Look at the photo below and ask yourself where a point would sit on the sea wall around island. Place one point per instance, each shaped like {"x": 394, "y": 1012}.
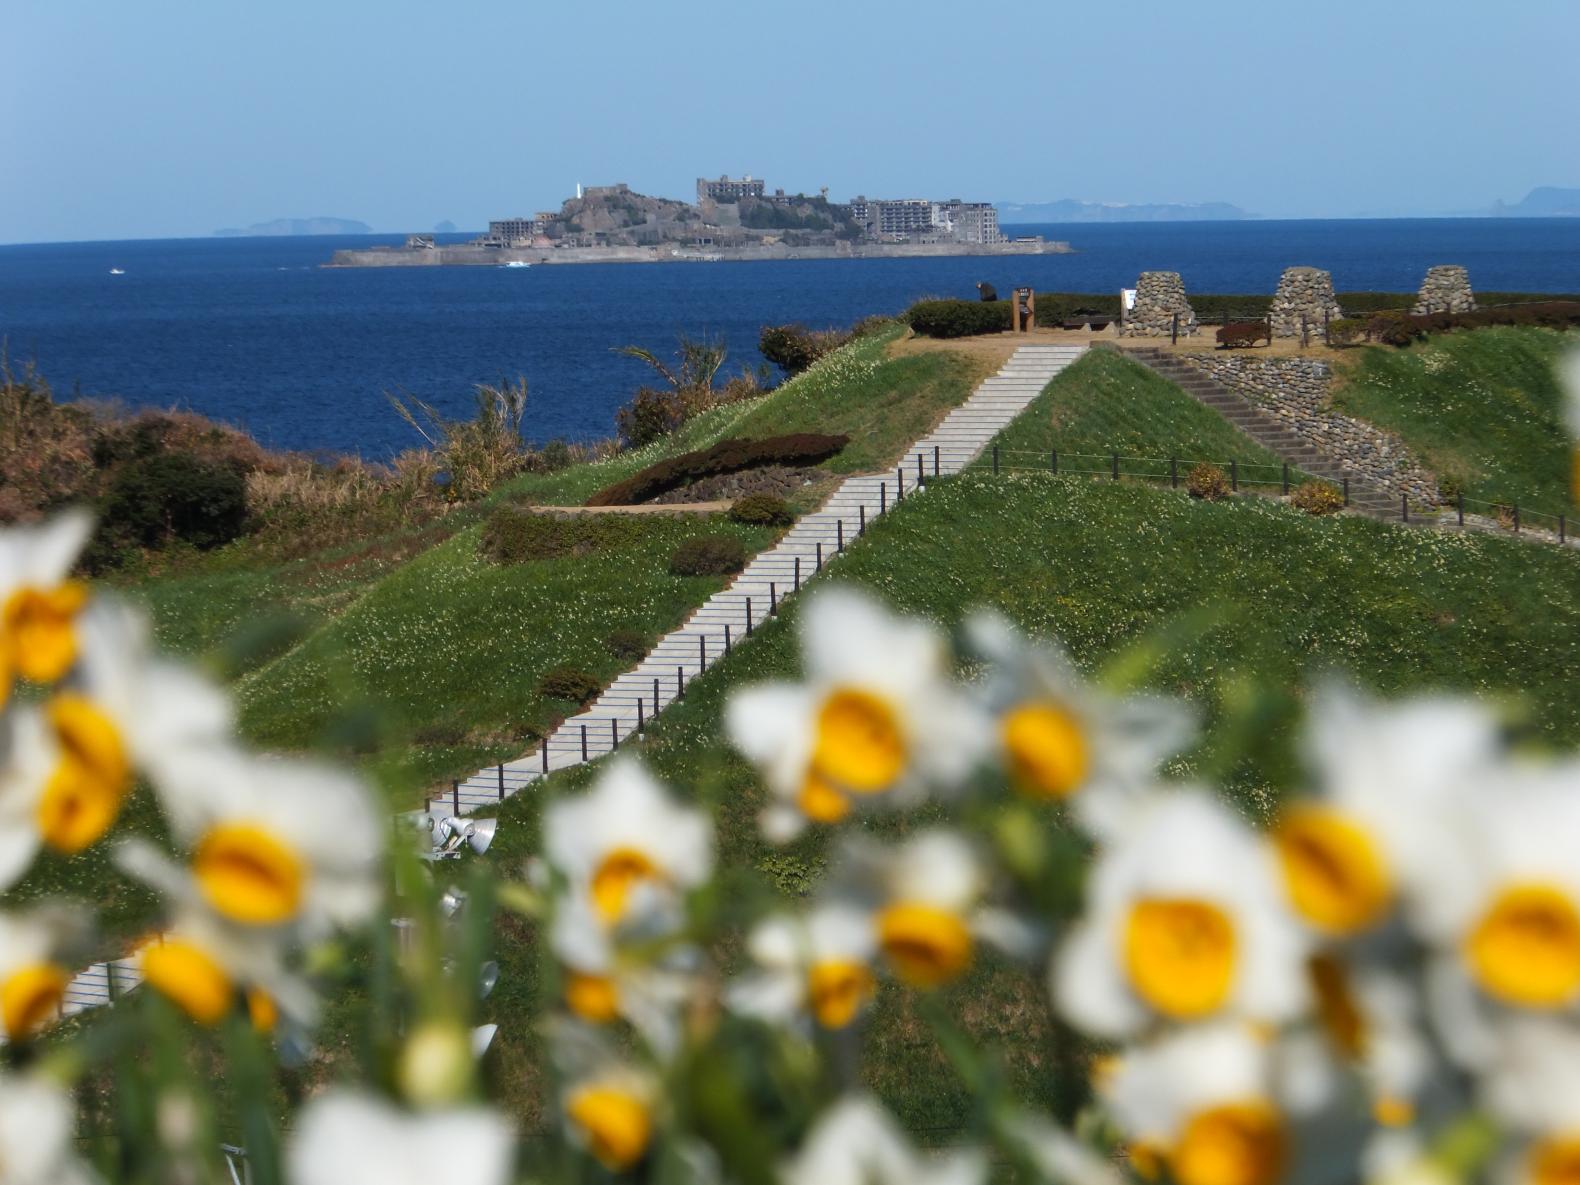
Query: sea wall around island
{"x": 467, "y": 255}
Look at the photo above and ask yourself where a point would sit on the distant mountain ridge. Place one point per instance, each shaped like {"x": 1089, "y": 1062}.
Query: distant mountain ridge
{"x": 299, "y": 226}
{"x": 1545, "y": 201}
{"x": 1071, "y": 210}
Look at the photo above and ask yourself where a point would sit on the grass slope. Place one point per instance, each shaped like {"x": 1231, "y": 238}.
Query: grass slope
{"x": 1252, "y": 600}
{"x": 1482, "y": 409}
{"x": 1106, "y": 403}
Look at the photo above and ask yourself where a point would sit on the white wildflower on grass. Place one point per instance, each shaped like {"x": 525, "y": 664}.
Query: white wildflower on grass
{"x": 857, "y": 1142}
{"x": 348, "y": 1138}
{"x": 627, "y": 845}
{"x": 818, "y": 965}
{"x": 39, "y": 602}
{"x": 1062, "y": 739}
{"x": 877, "y": 716}
{"x": 1184, "y": 921}
{"x": 36, "y": 1140}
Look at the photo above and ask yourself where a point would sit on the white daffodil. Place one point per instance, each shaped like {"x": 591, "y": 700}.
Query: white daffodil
{"x": 36, "y": 1143}
{"x": 347, "y": 1138}
{"x": 1056, "y": 1154}
{"x": 274, "y": 842}
{"x": 877, "y": 716}
{"x": 32, "y": 977}
{"x": 857, "y": 1142}
{"x": 1509, "y": 911}
{"x": 28, "y": 756}
{"x": 1391, "y": 777}
{"x": 611, "y": 1113}
{"x": 1201, "y": 1102}
{"x": 1373, "y": 1020}
{"x": 818, "y": 964}
{"x": 627, "y": 845}
{"x": 1061, "y": 739}
{"x": 39, "y": 603}
{"x": 1184, "y": 921}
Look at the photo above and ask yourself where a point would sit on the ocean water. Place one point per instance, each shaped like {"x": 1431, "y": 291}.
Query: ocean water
{"x": 255, "y": 332}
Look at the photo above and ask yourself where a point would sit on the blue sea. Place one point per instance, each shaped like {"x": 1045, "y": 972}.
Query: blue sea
{"x": 256, "y": 333}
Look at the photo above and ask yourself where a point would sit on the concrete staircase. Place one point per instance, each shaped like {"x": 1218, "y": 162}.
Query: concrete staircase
{"x": 728, "y": 617}
{"x": 1366, "y": 496}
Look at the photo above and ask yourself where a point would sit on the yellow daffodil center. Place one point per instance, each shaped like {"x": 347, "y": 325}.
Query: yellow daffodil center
{"x": 927, "y": 945}
{"x": 1555, "y": 1161}
{"x": 1180, "y": 955}
{"x": 859, "y": 744}
{"x": 617, "y": 874}
{"x": 1047, "y": 749}
{"x": 1336, "y": 1007}
{"x": 820, "y": 800}
{"x": 249, "y": 874}
{"x": 38, "y": 627}
{"x": 29, "y": 997}
{"x": 615, "y": 1122}
{"x": 1235, "y": 1144}
{"x": 837, "y": 988}
{"x": 1526, "y": 948}
{"x": 1393, "y": 1111}
{"x": 592, "y": 997}
{"x": 189, "y": 977}
{"x": 262, "y": 1010}
{"x": 1147, "y": 1159}
{"x": 85, "y": 790}
{"x": 1335, "y": 875}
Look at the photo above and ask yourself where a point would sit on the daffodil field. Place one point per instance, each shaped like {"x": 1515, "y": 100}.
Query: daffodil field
{"x": 1374, "y": 978}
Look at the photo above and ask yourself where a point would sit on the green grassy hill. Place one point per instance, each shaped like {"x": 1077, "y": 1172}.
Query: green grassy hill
{"x": 1481, "y": 409}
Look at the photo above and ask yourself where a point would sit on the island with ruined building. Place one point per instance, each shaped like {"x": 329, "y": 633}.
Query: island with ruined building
{"x": 731, "y": 219}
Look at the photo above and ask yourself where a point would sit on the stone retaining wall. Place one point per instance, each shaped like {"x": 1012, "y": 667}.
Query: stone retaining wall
{"x": 1296, "y": 391}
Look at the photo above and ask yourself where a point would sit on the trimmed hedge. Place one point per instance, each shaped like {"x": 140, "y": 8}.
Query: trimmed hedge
{"x": 766, "y": 510}
{"x": 957, "y": 318}
{"x": 794, "y": 348}
{"x": 708, "y": 555}
{"x": 1399, "y": 329}
{"x": 1237, "y": 334}
{"x": 728, "y": 456}
{"x": 569, "y": 683}
{"x": 514, "y": 534}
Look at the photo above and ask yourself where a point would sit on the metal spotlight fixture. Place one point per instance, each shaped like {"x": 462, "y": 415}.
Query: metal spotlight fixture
{"x": 482, "y": 1038}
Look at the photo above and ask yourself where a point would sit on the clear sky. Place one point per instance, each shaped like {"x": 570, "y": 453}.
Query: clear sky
{"x": 133, "y": 118}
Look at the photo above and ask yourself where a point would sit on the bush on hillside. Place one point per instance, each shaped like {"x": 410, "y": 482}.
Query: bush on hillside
{"x": 708, "y": 555}
{"x": 728, "y": 456}
{"x": 1346, "y": 331}
{"x": 1207, "y": 482}
{"x": 764, "y": 510}
{"x": 794, "y": 348}
{"x": 628, "y": 645}
{"x": 876, "y": 323}
{"x": 1396, "y": 329}
{"x": 957, "y": 318}
{"x": 516, "y": 534}
{"x": 168, "y": 497}
{"x": 569, "y": 683}
{"x": 1242, "y": 334}
{"x": 1318, "y": 497}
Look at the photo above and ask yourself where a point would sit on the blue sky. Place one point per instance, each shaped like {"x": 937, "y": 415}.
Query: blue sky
{"x": 174, "y": 117}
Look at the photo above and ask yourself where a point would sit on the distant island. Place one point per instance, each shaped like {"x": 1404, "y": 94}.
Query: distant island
{"x": 1071, "y": 210}
{"x": 1545, "y": 201}
{"x": 731, "y": 219}
{"x": 298, "y": 226}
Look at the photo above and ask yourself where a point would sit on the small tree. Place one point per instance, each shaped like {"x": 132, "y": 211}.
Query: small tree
{"x": 478, "y": 453}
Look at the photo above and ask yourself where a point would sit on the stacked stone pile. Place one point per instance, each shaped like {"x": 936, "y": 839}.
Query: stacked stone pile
{"x": 1303, "y": 292}
{"x": 1296, "y": 391}
{"x": 1446, "y": 289}
{"x": 1159, "y": 296}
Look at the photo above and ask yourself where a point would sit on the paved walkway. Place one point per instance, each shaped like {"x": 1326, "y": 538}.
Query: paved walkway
{"x": 730, "y": 615}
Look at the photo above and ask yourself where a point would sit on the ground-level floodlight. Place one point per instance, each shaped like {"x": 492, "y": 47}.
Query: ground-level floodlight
{"x": 487, "y": 977}
{"x": 428, "y": 827}
{"x": 476, "y": 834}
{"x": 452, "y": 901}
{"x": 482, "y": 1038}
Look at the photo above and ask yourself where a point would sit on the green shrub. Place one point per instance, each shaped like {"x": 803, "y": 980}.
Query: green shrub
{"x": 628, "y": 645}
{"x": 569, "y": 683}
{"x": 957, "y": 318}
{"x": 1396, "y": 329}
{"x": 516, "y": 534}
{"x": 1207, "y": 482}
{"x": 794, "y": 348}
{"x": 1318, "y": 497}
{"x": 1346, "y": 331}
{"x": 172, "y": 496}
{"x": 1239, "y": 334}
{"x": 728, "y": 456}
{"x": 765, "y": 510}
{"x": 708, "y": 555}
{"x": 554, "y": 456}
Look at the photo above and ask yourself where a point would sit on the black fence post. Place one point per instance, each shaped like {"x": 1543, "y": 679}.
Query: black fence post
{"x": 995, "y": 460}
{"x": 1404, "y": 508}
{"x": 1116, "y": 466}
{"x": 839, "y": 534}
{"x": 702, "y": 653}
{"x": 748, "y": 617}
{"x": 861, "y": 519}
{"x": 680, "y": 682}
{"x": 1174, "y": 473}
{"x": 1234, "y": 476}
{"x": 1174, "y": 331}
{"x": 935, "y": 460}
{"x": 819, "y": 567}
{"x": 797, "y": 573}
{"x": 773, "y": 599}
{"x": 726, "y": 637}
{"x": 1327, "y": 329}
{"x": 655, "y": 697}
{"x": 543, "y": 752}
{"x": 1461, "y": 501}
{"x": 1346, "y": 491}
{"x": 883, "y": 497}
{"x": 501, "y": 781}
{"x": 614, "y": 734}
{"x": 455, "y": 797}
{"x": 584, "y": 742}
{"x": 1516, "y": 518}
{"x": 899, "y": 484}
{"x": 1305, "y": 332}
{"x": 921, "y": 472}
{"x": 641, "y": 717}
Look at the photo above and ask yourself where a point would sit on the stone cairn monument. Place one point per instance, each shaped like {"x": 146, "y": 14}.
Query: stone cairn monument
{"x": 1302, "y": 292}
{"x": 1159, "y": 295}
{"x": 1446, "y": 289}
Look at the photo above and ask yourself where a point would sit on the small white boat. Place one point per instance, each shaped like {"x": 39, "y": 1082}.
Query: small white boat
{"x": 117, "y": 271}
{"x": 516, "y": 263}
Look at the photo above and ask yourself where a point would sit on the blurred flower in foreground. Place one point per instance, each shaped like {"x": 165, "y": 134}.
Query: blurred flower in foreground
{"x": 818, "y": 964}
{"x": 1200, "y": 1103}
{"x": 1183, "y": 921}
{"x": 610, "y": 1113}
{"x": 1531, "y": 1084}
{"x": 36, "y": 1145}
{"x": 39, "y": 604}
{"x": 627, "y": 845}
{"x": 877, "y": 716}
{"x": 32, "y": 980}
{"x": 1062, "y": 739}
{"x": 346, "y": 1138}
{"x": 856, "y": 1142}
